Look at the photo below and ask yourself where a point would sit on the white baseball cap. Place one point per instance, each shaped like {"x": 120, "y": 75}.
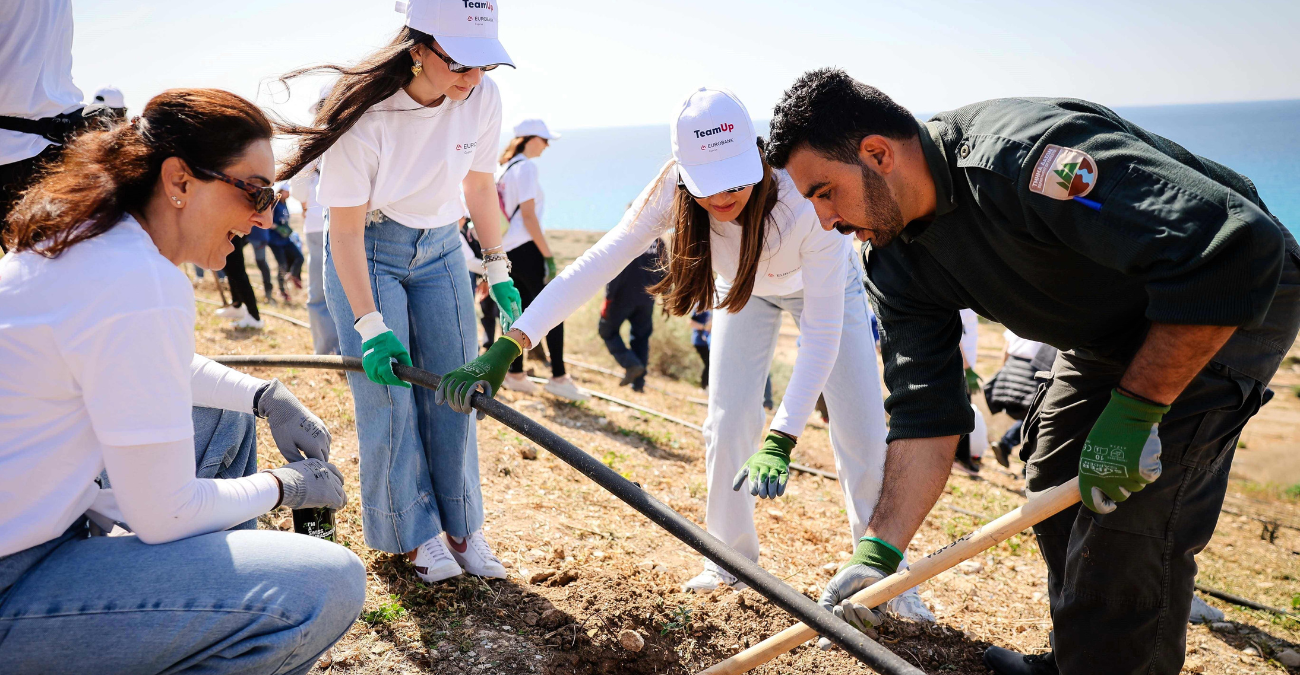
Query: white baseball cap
{"x": 534, "y": 128}
{"x": 714, "y": 143}
{"x": 465, "y": 29}
{"x": 110, "y": 96}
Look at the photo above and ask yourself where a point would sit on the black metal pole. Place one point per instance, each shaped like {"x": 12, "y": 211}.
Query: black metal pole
{"x": 837, "y": 630}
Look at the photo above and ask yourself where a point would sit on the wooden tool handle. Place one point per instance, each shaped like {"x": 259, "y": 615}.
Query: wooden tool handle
{"x": 1035, "y": 510}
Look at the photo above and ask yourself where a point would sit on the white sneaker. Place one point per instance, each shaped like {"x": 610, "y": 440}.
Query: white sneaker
{"x": 232, "y": 312}
{"x": 566, "y": 390}
{"x": 710, "y": 579}
{"x": 520, "y": 383}
{"x": 249, "y": 322}
{"x": 476, "y": 556}
{"x": 433, "y": 562}
{"x": 1203, "y": 612}
{"x": 910, "y": 607}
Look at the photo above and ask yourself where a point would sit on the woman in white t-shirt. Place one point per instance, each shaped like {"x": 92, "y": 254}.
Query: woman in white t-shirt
{"x": 531, "y": 263}
{"x": 399, "y": 137}
{"x": 108, "y": 415}
{"x": 747, "y": 244}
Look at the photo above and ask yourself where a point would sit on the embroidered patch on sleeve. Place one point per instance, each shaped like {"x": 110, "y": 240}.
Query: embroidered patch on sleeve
{"x": 1063, "y": 173}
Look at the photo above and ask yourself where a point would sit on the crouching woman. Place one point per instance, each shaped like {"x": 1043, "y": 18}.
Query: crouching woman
{"x": 99, "y": 385}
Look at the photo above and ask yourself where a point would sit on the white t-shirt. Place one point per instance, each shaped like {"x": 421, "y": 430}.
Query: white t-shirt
{"x": 408, "y": 160}
{"x": 970, "y": 335}
{"x": 97, "y": 353}
{"x": 1020, "y": 347}
{"x": 797, "y": 256}
{"x": 518, "y": 182}
{"x": 303, "y": 188}
{"x": 35, "y": 70}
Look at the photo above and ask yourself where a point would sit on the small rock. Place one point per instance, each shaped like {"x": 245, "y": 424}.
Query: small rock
{"x": 1223, "y": 627}
{"x": 552, "y": 618}
{"x": 540, "y": 576}
{"x": 598, "y": 555}
{"x": 1250, "y": 651}
{"x": 535, "y": 554}
{"x": 528, "y": 452}
{"x": 507, "y": 564}
{"x": 646, "y": 564}
{"x": 631, "y": 640}
{"x": 775, "y": 514}
{"x": 1036, "y": 596}
{"x": 1289, "y": 658}
{"x": 830, "y": 568}
{"x": 507, "y": 628}
{"x": 530, "y": 618}
{"x": 970, "y": 567}
{"x": 564, "y": 578}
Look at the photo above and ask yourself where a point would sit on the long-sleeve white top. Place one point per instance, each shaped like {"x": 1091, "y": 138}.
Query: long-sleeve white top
{"x": 798, "y": 255}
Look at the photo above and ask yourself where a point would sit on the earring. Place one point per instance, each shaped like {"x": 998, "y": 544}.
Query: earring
{"x": 417, "y": 69}
{"x": 177, "y": 200}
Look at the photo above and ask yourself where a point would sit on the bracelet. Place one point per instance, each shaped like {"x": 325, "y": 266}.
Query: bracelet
{"x": 498, "y": 247}
{"x": 493, "y": 257}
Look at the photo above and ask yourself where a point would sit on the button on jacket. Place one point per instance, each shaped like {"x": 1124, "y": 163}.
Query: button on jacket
{"x": 1155, "y": 233}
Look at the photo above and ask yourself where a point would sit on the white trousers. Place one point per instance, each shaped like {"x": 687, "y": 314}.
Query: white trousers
{"x": 740, "y": 355}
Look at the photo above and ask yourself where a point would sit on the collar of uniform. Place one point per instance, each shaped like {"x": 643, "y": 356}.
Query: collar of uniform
{"x": 937, "y": 158}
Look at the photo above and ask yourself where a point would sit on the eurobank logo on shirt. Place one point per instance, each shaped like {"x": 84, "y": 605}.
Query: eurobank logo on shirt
{"x": 467, "y": 148}
{"x": 724, "y": 128}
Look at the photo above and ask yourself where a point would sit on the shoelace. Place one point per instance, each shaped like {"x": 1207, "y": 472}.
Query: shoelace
{"x": 481, "y": 547}
{"x": 435, "y": 552}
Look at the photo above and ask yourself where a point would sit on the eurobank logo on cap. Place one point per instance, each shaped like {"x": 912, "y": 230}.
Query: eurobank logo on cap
{"x": 465, "y": 29}
{"x": 714, "y": 143}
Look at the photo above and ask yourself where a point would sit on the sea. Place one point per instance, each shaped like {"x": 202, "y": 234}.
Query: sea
{"x": 590, "y": 176}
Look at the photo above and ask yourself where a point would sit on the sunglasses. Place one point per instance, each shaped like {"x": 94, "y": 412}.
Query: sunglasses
{"x": 456, "y": 67}
{"x": 262, "y": 196}
{"x": 682, "y": 184}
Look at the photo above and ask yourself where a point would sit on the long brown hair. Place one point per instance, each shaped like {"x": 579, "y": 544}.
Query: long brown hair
{"x": 104, "y": 174}
{"x": 514, "y": 148}
{"x": 688, "y": 285}
{"x": 358, "y": 88}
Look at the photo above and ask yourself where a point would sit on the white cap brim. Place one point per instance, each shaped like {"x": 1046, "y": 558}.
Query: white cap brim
{"x": 475, "y": 51}
{"x": 706, "y": 180}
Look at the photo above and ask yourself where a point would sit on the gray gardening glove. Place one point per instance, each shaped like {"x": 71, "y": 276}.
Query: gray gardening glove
{"x": 310, "y": 484}
{"x": 840, "y": 588}
{"x": 297, "y": 431}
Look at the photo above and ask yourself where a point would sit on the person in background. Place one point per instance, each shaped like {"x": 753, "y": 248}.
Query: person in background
{"x": 1012, "y": 390}
{"x": 324, "y": 334}
{"x": 701, "y": 327}
{"x": 288, "y": 257}
{"x": 393, "y": 258}
{"x": 109, "y": 417}
{"x": 259, "y": 239}
{"x": 747, "y": 245}
{"x": 111, "y": 98}
{"x": 242, "y": 311}
{"x": 628, "y": 298}
{"x": 970, "y": 447}
{"x": 532, "y": 262}
{"x": 40, "y": 107}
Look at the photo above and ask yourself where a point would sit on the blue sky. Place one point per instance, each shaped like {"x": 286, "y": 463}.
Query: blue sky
{"x": 629, "y": 62}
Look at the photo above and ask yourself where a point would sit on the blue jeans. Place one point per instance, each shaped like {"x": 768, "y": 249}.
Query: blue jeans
{"x": 239, "y": 601}
{"x": 419, "y": 461}
{"x": 324, "y": 334}
{"x": 641, "y": 317}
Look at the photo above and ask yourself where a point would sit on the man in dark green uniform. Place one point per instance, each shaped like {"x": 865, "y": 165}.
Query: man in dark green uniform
{"x": 1169, "y": 288}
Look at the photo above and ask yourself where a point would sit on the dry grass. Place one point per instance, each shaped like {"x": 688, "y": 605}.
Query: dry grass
{"x": 617, "y": 572}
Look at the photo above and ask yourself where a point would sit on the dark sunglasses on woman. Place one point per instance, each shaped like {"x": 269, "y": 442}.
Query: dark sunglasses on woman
{"x": 456, "y": 67}
{"x": 682, "y": 184}
{"x": 262, "y": 196}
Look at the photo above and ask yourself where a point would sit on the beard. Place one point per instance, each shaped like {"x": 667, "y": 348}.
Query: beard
{"x": 881, "y": 216}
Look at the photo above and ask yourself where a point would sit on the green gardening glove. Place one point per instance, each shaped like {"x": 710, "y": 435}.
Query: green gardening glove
{"x": 768, "y": 469}
{"x": 972, "y": 380}
{"x": 484, "y": 374}
{"x": 550, "y": 269}
{"x": 377, "y": 355}
{"x": 507, "y": 298}
{"x": 1122, "y": 452}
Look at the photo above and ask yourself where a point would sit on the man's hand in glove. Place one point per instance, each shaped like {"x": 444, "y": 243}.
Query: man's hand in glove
{"x": 768, "y": 469}
{"x": 1122, "y": 452}
{"x": 296, "y": 430}
{"x": 873, "y": 560}
{"x": 484, "y": 374}
{"x": 310, "y": 484}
